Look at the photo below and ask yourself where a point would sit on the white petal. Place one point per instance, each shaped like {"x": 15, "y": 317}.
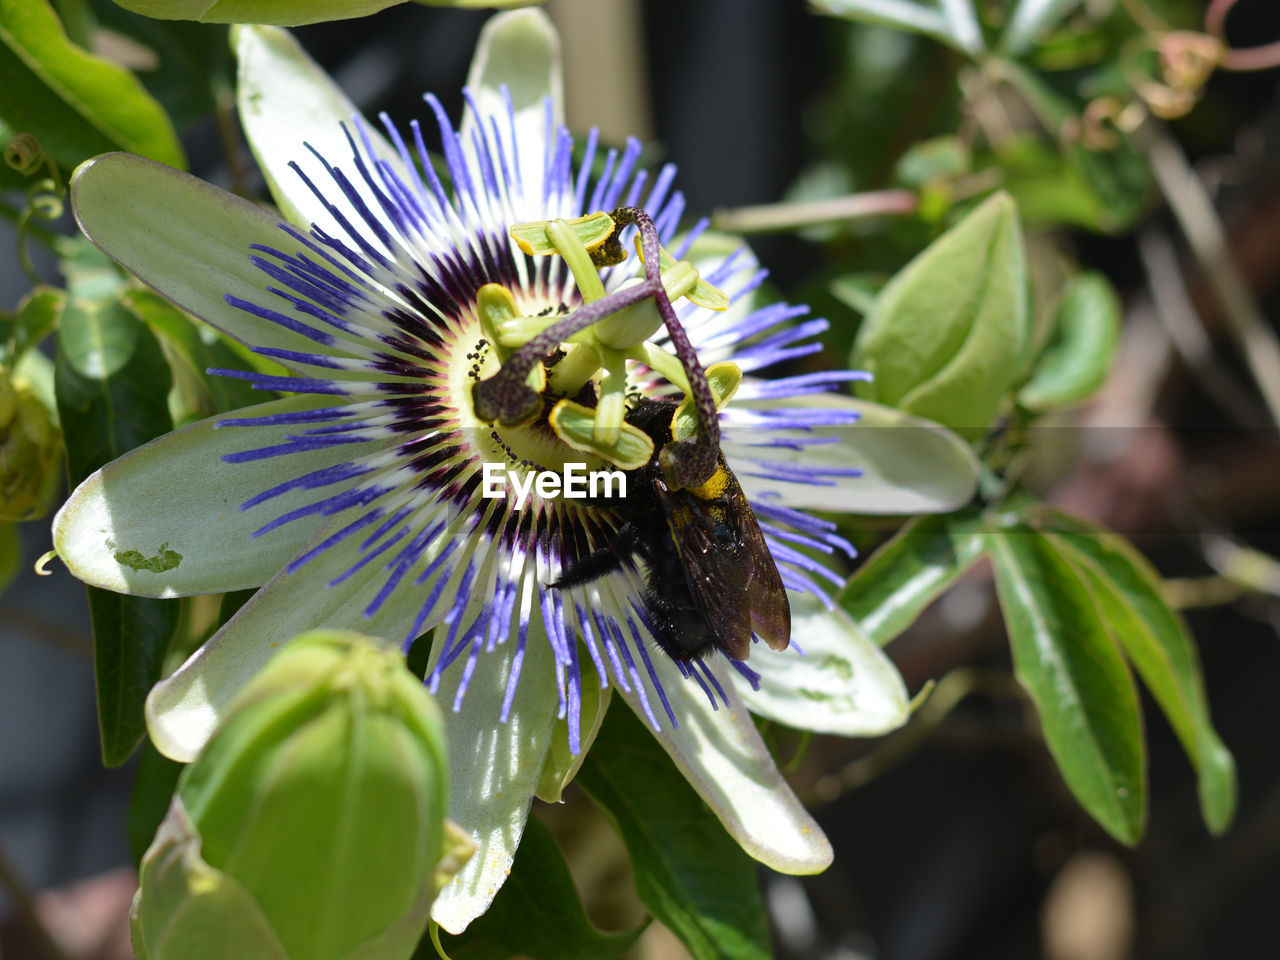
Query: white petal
{"x": 521, "y": 51}
{"x": 164, "y": 520}
{"x": 909, "y": 465}
{"x": 494, "y": 767}
{"x": 285, "y": 101}
{"x": 185, "y": 238}
{"x": 844, "y": 684}
{"x": 183, "y": 709}
{"x": 723, "y": 758}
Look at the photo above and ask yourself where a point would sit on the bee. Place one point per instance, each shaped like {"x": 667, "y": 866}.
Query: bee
{"x": 711, "y": 581}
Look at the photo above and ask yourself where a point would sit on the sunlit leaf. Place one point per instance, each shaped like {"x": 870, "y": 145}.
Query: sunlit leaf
{"x": 285, "y": 13}
{"x": 896, "y": 583}
{"x": 153, "y": 787}
{"x": 1066, "y": 656}
{"x": 1156, "y": 641}
{"x": 77, "y": 104}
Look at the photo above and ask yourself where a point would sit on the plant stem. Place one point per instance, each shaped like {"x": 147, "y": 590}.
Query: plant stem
{"x": 790, "y": 216}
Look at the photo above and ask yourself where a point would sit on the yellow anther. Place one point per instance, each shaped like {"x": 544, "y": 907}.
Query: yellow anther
{"x": 576, "y": 426}
{"x": 701, "y": 293}
{"x": 495, "y": 307}
{"x": 724, "y": 379}
{"x": 591, "y": 231}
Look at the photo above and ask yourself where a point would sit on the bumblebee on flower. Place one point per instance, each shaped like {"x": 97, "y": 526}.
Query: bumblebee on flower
{"x": 431, "y": 329}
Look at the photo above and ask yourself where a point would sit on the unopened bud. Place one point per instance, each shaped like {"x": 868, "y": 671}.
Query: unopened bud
{"x": 29, "y": 451}
{"x": 312, "y": 825}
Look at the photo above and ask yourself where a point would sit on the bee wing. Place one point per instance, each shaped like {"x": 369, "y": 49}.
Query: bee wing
{"x": 767, "y": 597}
{"x": 729, "y": 570}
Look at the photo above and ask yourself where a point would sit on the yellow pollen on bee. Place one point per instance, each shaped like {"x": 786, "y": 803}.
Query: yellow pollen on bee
{"x": 714, "y": 486}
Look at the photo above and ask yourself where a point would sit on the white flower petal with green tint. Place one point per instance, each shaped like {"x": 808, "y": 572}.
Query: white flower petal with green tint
{"x": 494, "y": 768}
{"x": 518, "y": 51}
{"x": 183, "y": 709}
{"x": 908, "y": 465}
{"x": 165, "y": 520}
{"x": 719, "y": 751}
{"x": 184, "y": 238}
{"x": 286, "y": 101}
{"x": 843, "y": 684}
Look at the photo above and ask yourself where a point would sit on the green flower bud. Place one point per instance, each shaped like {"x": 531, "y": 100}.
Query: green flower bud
{"x": 949, "y": 336}
{"x": 29, "y": 450}
{"x": 312, "y": 825}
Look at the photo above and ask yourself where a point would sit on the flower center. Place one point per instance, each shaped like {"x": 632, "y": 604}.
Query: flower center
{"x": 569, "y": 373}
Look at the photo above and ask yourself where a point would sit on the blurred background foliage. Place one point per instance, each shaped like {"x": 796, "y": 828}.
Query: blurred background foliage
{"x": 1138, "y": 139}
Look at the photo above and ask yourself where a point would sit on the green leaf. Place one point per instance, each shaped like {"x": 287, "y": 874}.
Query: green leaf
{"x": 1157, "y": 643}
{"x": 1119, "y": 178}
{"x": 153, "y": 787}
{"x": 130, "y": 638}
{"x": 192, "y": 348}
{"x": 537, "y": 913}
{"x": 38, "y": 316}
{"x": 283, "y": 12}
{"x": 1030, "y": 21}
{"x": 76, "y": 103}
{"x": 896, "y": 583}
{"x": 110, "y": 381}
{"x": 1076, "y": 362}
{"x": 1065, "y": 655}
{"x": 689, "y": 873}
{"x": 195, "y": 65}
{"x": 955, "y": 24}
{"x": 948, "y": 335}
